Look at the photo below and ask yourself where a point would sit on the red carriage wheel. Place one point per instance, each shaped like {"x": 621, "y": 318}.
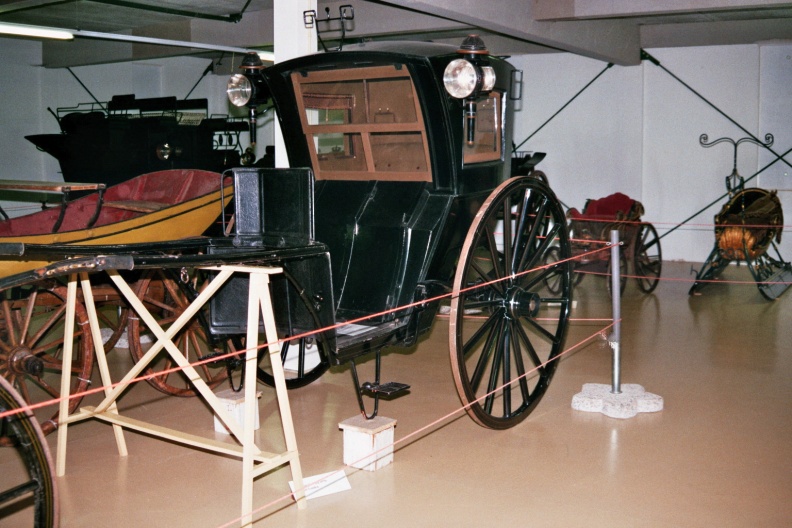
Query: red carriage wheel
{"x": 32, "y": 323}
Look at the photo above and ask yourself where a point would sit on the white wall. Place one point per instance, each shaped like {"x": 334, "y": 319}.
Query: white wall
{"x": 636, "y": 130}
{"x": 20, "y": 96}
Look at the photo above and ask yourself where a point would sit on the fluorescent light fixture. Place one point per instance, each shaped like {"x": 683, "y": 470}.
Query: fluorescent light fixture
{"x": 23, "y": 30}
{"x": 163, "y": 42}
{"x": 65, "y": 34}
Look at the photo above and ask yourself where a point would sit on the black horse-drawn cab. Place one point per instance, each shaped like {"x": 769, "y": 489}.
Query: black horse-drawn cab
{"x": 413, "y": 199}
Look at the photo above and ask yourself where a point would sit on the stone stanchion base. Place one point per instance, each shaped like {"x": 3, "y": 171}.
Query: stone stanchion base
{"x": 633, "y": 399}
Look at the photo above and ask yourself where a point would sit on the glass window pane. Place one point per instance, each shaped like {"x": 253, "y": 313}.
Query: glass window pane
{"x": 400, "y": 152}
{"x": 486, "y": 144}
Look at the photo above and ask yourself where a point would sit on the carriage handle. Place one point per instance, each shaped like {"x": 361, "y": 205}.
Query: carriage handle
{"x": 735, "y": 182}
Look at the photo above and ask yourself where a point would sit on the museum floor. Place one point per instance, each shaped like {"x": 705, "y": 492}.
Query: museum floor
{"x": 718, "y": 455}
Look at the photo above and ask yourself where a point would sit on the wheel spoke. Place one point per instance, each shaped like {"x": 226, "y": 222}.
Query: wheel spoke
{"x": 476, "y": 337}
{"x": 507, "y": 237}
{"x": 529, "y": 349}
{"x": 486, "y": 356}
{"x": 496, "y": 355}
{"x": 519, "y": 364}
{"x": 531, "y": 253}
{"x": 10, "y": 326}
{"x": 495, "y": 284}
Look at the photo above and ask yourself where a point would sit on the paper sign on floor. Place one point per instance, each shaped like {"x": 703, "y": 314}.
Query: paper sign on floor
{"x": 324, "y": 484}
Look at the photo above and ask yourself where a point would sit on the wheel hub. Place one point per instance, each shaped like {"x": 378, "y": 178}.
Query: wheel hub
{"x": 521, "y": 303}
{"x": 23, "y": 362}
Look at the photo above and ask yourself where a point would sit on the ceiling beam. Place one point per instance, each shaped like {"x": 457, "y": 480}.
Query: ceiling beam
{"x": 610, "y": 41}
{"x": 592, "y": 9}
{"x": 717, "y": 33}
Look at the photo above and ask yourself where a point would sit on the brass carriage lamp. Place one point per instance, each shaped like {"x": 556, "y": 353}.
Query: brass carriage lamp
{"x": 249, "y": 89}
{"x": 470, "y": 77}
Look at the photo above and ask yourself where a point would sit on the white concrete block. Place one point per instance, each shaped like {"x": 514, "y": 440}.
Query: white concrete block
{"x": 234, "y": 403}
{"x": 368, "y": 444}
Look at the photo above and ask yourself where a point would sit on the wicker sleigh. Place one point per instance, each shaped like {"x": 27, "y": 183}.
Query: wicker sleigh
{"x": 748, "y": 223}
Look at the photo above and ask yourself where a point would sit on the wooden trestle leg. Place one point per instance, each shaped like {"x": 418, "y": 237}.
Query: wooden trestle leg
{"x": 255, "y": 462}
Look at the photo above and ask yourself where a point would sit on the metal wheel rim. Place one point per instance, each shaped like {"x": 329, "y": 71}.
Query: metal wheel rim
{"x": 32, "y": 447}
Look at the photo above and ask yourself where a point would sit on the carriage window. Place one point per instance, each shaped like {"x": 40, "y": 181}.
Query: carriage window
{"x": 487, "y": 144}
{"x": 363, "y": 124}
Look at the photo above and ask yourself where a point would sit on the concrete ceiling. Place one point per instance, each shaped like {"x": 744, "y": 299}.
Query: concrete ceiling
{"x": 613, "y": 30}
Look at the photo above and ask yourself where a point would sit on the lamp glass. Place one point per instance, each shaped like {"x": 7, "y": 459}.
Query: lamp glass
{"x": 239, "y": 90}
{"x": 460, "y": 78}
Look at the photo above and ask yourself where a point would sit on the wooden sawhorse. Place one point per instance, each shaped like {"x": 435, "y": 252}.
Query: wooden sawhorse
{"x": 254, "y": 461}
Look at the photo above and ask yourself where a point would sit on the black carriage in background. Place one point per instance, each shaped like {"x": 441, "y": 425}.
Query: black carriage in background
{"x": 747, "y": 228}
{"x": 412, "y": 196}
{"x": 115, "y": 141}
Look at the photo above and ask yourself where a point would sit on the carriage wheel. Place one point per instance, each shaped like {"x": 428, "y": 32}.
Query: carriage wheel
{"x": 304, "y": 359}
{"x": 622, "y": 273}
{"x": 23, "y": 432}
{"x": 31, "y": 347}
{"x": 771, "y": 275}
{"x": 114, "y": 316}
{"x": 505, "y": 331}
{"x": 554, "y": 281}
{"x": 166, "y": 297}
{"x": 647, "y": 258}
{"x": 582, "y": 247}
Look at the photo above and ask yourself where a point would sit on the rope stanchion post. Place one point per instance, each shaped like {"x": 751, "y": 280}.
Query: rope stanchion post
{"x": 616, "y": 400}
{"x": 615, "y": 341}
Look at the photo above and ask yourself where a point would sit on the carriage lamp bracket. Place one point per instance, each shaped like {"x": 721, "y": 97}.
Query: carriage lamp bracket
{"x": 375, "y": 389}
{"x": 735, "y": 182}
{"x": 249, "y": 89}
{"x": 346, "y": 13}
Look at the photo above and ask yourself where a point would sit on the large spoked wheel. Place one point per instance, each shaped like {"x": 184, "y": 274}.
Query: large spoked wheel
{"x": 32, "y": 325}
{"x": 305, "y": 358}
{"x": 647, "y": 258}
{"x": 35, "y": 478}
{"x": 506, "y": 327}
{"x": 166, "y": 297}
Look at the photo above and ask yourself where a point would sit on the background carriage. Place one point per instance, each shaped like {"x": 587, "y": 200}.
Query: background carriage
{"x": 405, "y": 202}
{"x": 640, "y": 255}
{"x": 747, "y": 228}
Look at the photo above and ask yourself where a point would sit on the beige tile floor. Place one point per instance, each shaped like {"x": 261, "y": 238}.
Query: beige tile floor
{"x": 718, "y": 455}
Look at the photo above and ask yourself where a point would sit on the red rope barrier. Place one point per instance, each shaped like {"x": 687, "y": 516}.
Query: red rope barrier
{"x": 422, "y": 429}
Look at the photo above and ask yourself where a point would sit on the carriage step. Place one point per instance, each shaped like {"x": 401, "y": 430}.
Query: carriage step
{"x": 391, "y": 388}
{"x": 774, "y": 286}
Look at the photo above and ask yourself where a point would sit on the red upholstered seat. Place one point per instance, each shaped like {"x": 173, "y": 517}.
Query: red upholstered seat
{"x": 617, "y": 206}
